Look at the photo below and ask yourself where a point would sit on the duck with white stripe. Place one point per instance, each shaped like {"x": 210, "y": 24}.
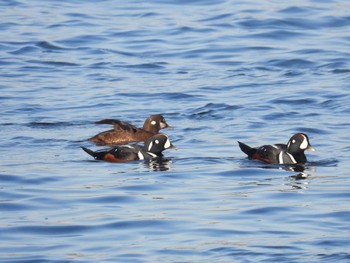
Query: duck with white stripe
{"x": 290, "y": 153}
{"x": 153, "y": 147}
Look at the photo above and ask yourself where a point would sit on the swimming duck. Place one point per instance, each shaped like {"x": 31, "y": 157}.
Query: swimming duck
{"x": 124, "y": 132}
{"x": 153, "y": 147}
{"x": 290, "y": 153}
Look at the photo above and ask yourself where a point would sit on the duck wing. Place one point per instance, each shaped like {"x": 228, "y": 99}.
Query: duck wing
{"x": 119, "y": 125}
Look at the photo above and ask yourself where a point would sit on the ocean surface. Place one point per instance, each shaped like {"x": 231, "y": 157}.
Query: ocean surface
{"x": 219, "y": 71}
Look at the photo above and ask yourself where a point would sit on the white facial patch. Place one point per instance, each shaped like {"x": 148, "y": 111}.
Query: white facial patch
{"x": 167, "y": 144}
{"x": 153, "y": 122}
{"x": 156, "y": 141}
{"x": 304, "y": 144}
{"x": 150, "y": 146}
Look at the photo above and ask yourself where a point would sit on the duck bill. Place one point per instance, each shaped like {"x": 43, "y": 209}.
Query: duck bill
{"x": 311, "y": 149}
{"x": 164, "y": 125}
{"x": 172, "y": 146}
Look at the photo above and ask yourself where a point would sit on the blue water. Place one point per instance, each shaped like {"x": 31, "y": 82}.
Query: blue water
{"x": 219, "y": 71}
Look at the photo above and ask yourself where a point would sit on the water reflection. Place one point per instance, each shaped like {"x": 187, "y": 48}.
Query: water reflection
{"x": 299, "y": 176}
{"x": 305, "y": 170}
{"x": 300, "y": 168}
{"x": 158, "y": 164}
{"x": 302, "y": 171}
{"x": 286, "y": 167}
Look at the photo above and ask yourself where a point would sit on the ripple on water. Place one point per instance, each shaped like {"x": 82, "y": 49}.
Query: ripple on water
{"x": 219, "y": 71}
{"x": 68, "y": 230}
{"x": 213, "y": 110}
{"x": 26, "y": 180}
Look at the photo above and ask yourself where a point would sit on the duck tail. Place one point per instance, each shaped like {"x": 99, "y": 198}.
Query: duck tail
{"x": 247, "y": 149}
{"x": 91, "y": 152}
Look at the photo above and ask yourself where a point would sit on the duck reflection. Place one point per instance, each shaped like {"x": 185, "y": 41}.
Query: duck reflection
{"x": 290, "y": 167}
{"x": 300, "y": 176}
{"x": 158, "y": 164}
{"x": 301, "y": 169}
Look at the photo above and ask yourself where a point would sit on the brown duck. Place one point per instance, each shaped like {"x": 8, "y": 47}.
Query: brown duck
{"x": 124, "y": 132}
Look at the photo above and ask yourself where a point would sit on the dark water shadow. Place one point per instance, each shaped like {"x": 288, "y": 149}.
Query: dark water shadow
{"x": 158, "y": 164}
{"x": 303, "y": 171}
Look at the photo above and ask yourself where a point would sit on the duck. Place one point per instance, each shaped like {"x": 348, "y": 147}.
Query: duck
{"x": 124, "y": 132}
{"x": 153, "y": 147}
{"x": 290, "y": 153}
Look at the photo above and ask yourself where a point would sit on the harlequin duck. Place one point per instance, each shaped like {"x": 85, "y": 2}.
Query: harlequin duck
{"x": 153, "y": 147}
{"x": 124, "y": 132}
{"x": 290, "y": 153}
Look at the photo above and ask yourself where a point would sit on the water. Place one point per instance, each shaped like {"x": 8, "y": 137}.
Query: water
{"x": 219, "y": 71}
